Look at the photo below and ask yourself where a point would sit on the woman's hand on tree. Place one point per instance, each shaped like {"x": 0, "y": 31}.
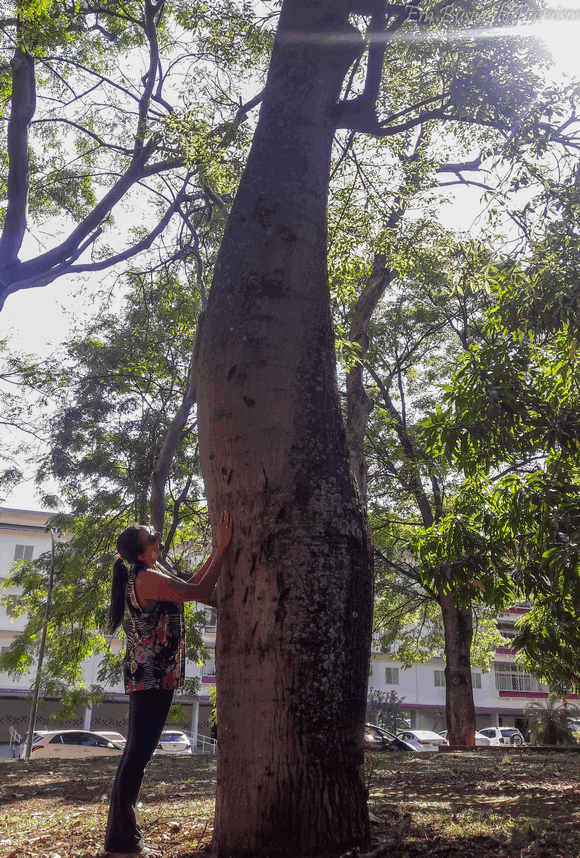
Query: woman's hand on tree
{"x": 225, "y": 532}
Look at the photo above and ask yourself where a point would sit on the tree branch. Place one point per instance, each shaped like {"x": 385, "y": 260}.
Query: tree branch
{"x": 148, "y": 79}
{"x": 244, "y": 109}
{"x": 99, "y": 140}
{"x": 66, "y": 264}
{"x": 362, "y": 109}
{"x": 414, "y": 483}
{"x": 21, "y": 113}
{"x": 173, "y": 437}
{"x": 359, "y": 403}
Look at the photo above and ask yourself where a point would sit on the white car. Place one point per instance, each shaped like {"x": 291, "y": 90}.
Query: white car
{"x": 69, "y": 744}
{"x": 112, "y": 736}
{"x": 423, "y": 740}
{"x": 480, "y": 739}
{"x": 173, "y": 742}
{"x": 503, "y": 735}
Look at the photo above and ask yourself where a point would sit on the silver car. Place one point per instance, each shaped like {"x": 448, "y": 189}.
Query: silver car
{"x": 480, "y": 739}
{"x": 503, "y": 735}
{"x": 173, "y": 742}
{"x": 423, "y": 740}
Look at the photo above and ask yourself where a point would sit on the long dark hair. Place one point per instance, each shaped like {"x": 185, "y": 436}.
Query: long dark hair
{"x": 129, "y": 546}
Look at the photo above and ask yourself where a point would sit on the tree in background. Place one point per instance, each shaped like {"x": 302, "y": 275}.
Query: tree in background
{"x": 114, "y": 392}
{"x": 404, "y": 325}
{"x": 429, "y": 313}
{"x": 509, "y": 421}
{"x": 384, "y": 710}
{"x": 550, "y": 723}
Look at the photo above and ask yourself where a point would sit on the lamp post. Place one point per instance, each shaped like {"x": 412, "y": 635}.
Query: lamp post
{"x": 32, "y": 721}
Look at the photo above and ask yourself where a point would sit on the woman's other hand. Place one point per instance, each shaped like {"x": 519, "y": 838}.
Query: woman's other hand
{"x": 225, "y": 531}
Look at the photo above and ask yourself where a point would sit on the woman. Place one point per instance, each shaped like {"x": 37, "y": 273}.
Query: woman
{"x": 154, "y": 662}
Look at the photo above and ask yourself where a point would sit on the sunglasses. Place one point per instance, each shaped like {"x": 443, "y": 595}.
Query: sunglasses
{"x": 154, "y": 537}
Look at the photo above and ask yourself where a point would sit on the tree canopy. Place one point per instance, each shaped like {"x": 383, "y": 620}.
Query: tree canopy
{"x": 114, "y": 392}
{"x": 124, "y": 103}
{"x": 509, "y": 422}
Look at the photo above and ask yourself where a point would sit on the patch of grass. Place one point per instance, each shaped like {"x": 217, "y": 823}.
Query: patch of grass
{"x": 481, "y": 805}
{"x": 52, "y": 808}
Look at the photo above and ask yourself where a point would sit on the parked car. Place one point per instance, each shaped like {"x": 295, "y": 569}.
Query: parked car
{"x": 503, "y": 735}
{"x": 379, "y": 739}
{"x": 173, "y": 742}
{"x": 70, "y": 744}
{"x": 480, "y": 739}
{"x": 113, "y": 736}
{"x": 423, "y": 740}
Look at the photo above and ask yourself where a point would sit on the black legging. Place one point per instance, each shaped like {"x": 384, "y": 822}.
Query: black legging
{"x": 148, "y": 712}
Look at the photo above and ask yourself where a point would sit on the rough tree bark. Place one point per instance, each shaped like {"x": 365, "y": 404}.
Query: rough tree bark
{"x": 295, "y": 600}
{"x": 459, "y": 706}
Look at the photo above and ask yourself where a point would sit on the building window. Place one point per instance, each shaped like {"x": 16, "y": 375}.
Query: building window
{"x": 476, "y": 680}
{"x": 208, "y": 668}
{"x": 210, "y": 616}
{"x": 392, "y": 675}
{"x": 439, "y": 678}
{"x": 23, "y": 552}
{"x": 4, "y": 649}
{"x": 508, "y": 677}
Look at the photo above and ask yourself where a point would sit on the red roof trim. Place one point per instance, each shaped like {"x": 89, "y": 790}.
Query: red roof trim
{"x": 542, "y": 694}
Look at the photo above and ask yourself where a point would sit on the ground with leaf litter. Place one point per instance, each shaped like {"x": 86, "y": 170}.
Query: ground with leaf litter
{"x": 500, "y": 803}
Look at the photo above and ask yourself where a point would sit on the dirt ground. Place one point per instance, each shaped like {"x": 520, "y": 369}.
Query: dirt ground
{"x": 504, "y": 803}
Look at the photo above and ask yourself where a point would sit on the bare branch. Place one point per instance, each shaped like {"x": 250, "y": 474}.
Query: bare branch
{"x": 21, "y": 113}
{"x": 102, "y": 78}
{"x": 110, "y": 146}
{"x": 242, "y": 113}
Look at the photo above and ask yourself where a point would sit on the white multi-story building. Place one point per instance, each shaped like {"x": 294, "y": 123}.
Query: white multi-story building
{"x": 501, "y": 696}
{"x": 25, "y": 535}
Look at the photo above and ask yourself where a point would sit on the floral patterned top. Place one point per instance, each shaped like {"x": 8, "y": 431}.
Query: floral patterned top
{"x": 155, "y": 649}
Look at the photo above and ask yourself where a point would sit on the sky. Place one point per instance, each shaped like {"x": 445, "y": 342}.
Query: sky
{"x": 37, "y": 320}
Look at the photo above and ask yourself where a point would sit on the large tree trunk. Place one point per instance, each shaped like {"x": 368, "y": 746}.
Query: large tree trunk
{"x": 295, "y": 600}
{"x": 459, "y": 706}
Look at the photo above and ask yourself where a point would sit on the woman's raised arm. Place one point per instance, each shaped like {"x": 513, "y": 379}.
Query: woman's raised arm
{"x": 152, "y": 585}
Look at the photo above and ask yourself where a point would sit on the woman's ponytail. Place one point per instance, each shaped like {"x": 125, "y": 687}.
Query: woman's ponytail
{"x": 130, "y": 548}
{"x": 118, "y": 585}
